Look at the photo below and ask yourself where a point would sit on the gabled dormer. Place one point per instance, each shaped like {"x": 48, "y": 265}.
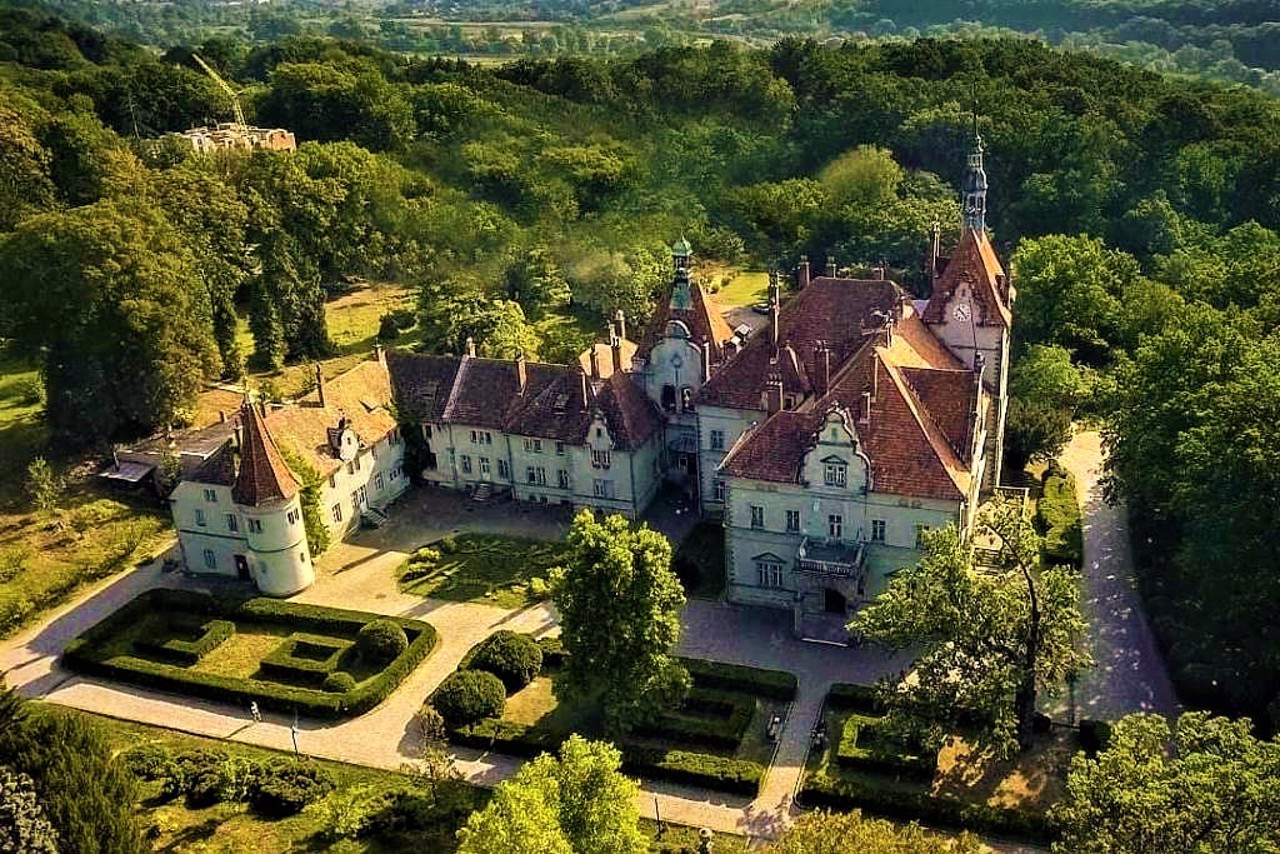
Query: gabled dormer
{"x": 835, "y": 460}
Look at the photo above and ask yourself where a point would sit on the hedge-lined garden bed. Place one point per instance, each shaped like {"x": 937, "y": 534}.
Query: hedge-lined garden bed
{"x": 117, "y": 648}
{"x": 865, "y": 746}
{"x": 705, "y": 742}
{"x": 1059, "y": 519}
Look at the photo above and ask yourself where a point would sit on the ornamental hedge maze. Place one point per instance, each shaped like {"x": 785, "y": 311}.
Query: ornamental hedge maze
{"x": 715, "y": 739}
{"x": 284, "y": 656}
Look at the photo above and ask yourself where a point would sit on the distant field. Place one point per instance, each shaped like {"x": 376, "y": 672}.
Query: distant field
{"x": 744, "y": 289}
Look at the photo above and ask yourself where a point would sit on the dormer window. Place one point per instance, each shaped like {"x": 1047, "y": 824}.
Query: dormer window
{"x": 669, "y": 398}
{"x": 835, "y": 474}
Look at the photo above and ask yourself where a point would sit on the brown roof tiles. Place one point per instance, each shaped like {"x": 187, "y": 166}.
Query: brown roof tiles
{"x": 263, "y": 476}
{"x": 973, "y": 263}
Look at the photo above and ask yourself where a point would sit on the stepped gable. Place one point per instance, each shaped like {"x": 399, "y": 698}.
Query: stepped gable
{"x": 263, "y": 476}
{"x": 421, "y": 383}
{"x": 909, "y": 453}
{"x": 702, "y": 317}
{"x": 973, "y": 263}
{"x": 632, "y": 416}
{"x": 834, "y": 312}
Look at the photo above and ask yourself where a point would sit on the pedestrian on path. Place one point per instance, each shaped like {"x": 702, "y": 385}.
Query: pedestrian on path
{"x": 254, "y": 713}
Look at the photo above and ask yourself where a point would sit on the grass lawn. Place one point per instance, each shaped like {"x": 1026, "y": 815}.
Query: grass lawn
{"x": 232, "y": 828}
{"x": 744, "y": 289}
{"x": 481, "y": 568}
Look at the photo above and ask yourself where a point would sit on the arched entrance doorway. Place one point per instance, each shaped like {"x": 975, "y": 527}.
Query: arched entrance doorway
{"x": 834, "y": 602}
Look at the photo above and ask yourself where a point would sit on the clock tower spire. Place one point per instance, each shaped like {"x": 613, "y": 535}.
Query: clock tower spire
{"x": 973, "y": 187}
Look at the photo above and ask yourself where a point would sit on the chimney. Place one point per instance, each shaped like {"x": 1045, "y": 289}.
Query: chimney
{"x": 935, "y": 249}
{"x": 620, "y": 321}
{"x": 822, "y": 359}
{"x": 879, "y": 271}
{"x": 595, "y": 362}
{"x": 522, "y": 372}
{"x": 802, "y": 273}
{"x": 774, "y": 308}
{"x": 379, "y": 355}
{"x": 320, "y": 385}
{"x": 706, "y": 361}
{"x": 471, "y": 347}
{"x": 831, "y": 266}
{"x": 222, "y": 417}
{"x": 864, "y": 413}
{"x": 979, "y": 368}
{"x": 582, "y": 375}
{"x": 773, "y": 392}
{"x": 617, "y": 354}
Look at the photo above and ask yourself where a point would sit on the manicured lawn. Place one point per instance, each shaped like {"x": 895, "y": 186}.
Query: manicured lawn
{"x": 482, "y": 568}
{"x": 699, "y": 561}
{"x": 746, "y": 288}
{"x": 278, "y": 654}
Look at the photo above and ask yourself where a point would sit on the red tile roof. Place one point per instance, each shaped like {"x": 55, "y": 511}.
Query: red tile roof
{"x": 263, "y": 476}
{"x": 421, "y": 383}
{"x": 703, "y": 319}
{"x": 973, "y": 263}
{"x": 910, "y": 454}
{"x": 950, "y": 398}
{"x": 632, "y": 416}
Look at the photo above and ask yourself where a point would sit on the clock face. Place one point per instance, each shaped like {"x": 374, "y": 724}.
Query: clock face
{"x": 961, "y": 312}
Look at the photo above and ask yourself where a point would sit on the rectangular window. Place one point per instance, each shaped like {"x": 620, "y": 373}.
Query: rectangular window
{"x": 835, "y": 526}
{"x": 533, "y": 446}
{"x": 793, "y": 521}
{"x": 503, "y": 471}
{"x": 351, "y": 467}
{"x": 333, "y": 481}
{"x": 921, "y": 530}
{"x": 466, "y": 463}
{"x": 475, "y": 437}
{"x": 393, "y": 438}
{"x": 292, "y": 516}
{"x": 357, "y": 461}
{"x": 600, "y": 459}
{"x": 377, "y": 480}
{"x": 210, "y": 495}
{"x": 757, "y": 516}
{"x": 835, "y": 474}
{"x": 484, "y": 467}
{"x": 877, "y": 530}
{"x": 529, "y": 475}
{"x": 562, "y": 479}
{"x": 769, "y": 573}
{"x": 395, "y": 472}
{"x": 427, "y": 431}
{"x": 717, "y": 440}
{"x": 233, "y": 524}
{"x": 717, "y": 490}
{"x": 200, "y": 517}
{"x": 336, "y": 510}
{"x": 602, "y": 488}
{"x": 559, "y": 449}
{"x": 210, "y": 559}
{"x": 255, "y": 526}
{"x": 541, "y": 474}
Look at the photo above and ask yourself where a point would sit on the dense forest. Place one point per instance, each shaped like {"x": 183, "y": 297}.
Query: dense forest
{"x": 527, "y": 202}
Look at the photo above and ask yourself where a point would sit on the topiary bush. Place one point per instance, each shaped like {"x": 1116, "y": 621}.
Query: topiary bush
{"x": 197, "y": 776}
{"x": 339, "y": 682}
{"x": 286, "y": 789}
{"x": 381, "y": 642}
{"x": 466, "y": 696}
{"x": 513, "y": 658}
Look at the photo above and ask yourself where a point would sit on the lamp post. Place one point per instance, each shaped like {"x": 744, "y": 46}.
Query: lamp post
{"x": 293, "y": 733}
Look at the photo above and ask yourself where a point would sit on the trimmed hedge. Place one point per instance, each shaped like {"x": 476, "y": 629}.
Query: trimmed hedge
{"x": 770, "y": 684}
{"x": 381, "y": 641}
{"x": 84, "y": 653}
{"x": 553, "y": 653}
{"x": 506, "y": 737}
{"x": 864, "y": 699}
{"x": 1059, "y": 519}
{"x": 695, "y": 769}
{"x": 291, "y": 663}
{"x": 287, "y": 789}
{"x": 187, "y": 652}
{"x": 712, "y": 718}
{"x": 858, "y": 749}
{"x": 846, "y": 794}
{"x": 467, "y": 696}
{"x": 513, "y": 658}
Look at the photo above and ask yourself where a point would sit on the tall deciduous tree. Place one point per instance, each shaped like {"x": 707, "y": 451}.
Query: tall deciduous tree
{"x": 577, "y": 804}
{"x": 619, "y": 604}
{"x": 990, "y": 637}
{"x": 849, "y": 833}
{"x": 1206, "y": 787}
{"x": 111, "y": 298}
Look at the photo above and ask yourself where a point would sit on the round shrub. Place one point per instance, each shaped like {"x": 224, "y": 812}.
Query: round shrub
{"x": 466, "y": 696}
{"x": 381, "y": 641}
{"x": 339, "y": 682}
{"x": 286, "y": 789}
{"x": 513, "y": 658}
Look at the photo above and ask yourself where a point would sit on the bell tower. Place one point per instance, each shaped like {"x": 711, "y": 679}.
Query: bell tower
{"x": 973, "y": 188}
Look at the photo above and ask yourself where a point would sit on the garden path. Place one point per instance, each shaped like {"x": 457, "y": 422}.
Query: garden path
{"x": 1129, "y": 674}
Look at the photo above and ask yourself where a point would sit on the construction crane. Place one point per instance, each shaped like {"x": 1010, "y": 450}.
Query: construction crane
{"x": 231, "y": 93}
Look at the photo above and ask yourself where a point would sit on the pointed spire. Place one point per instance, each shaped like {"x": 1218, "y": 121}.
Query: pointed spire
{"x": 263, "y": 476}
{"x": 973, "y": 187}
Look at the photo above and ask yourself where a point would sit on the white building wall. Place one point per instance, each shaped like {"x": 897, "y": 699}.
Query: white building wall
{"x": 729, "y": 424}
{"x": 536, "y": 466}
{"x": 382, "y": 463}
{"x": 203, "y": 524}
{"x": 279, "y": 560}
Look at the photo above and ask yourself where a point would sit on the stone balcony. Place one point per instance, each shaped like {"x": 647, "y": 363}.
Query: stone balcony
{"x": 831, "y": 558}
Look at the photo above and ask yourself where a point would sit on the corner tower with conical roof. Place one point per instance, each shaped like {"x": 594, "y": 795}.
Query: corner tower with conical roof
{"x": 267, "y": 496}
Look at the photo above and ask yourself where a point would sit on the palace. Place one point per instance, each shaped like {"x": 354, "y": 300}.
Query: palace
{"x": 825, "y": 442}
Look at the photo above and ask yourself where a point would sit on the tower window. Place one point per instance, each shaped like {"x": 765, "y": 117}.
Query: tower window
{"x": 255, "y": 526}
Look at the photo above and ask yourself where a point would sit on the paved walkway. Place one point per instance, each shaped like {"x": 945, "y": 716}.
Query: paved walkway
{"x": 1129, "y": 674}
